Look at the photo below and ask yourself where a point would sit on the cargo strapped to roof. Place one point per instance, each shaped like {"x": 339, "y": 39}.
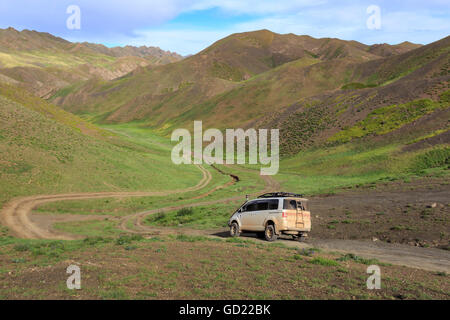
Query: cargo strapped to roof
{"x": 280, "y": 195}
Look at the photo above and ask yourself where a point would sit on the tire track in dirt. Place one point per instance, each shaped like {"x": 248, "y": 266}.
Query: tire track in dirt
{"x": 15, "y": 214}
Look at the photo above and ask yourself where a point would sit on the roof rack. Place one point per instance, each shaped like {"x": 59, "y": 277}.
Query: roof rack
{"x": 280, "y": 195}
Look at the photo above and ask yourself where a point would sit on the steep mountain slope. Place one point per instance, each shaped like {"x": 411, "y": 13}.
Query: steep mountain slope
{"x": 402, "y": 112}
{"x": 407, "y": 93}
{"x": 43, "y": 63}
{"x": 280, "y": 87}
{"x": 411, "y": 74}
{"x": 248, "y": 64}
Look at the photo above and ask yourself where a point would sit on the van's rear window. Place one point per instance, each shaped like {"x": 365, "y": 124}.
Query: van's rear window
{"x": 290, "y": 204}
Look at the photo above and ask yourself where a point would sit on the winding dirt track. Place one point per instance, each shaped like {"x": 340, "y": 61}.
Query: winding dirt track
{"x": 16, "y": 216}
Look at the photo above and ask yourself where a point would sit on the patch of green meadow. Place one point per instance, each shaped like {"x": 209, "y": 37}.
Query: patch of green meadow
{"x": 201, "y": 217}
{"x": 41, "y": 156}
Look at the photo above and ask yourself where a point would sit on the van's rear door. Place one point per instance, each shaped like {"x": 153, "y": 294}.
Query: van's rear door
{"x": 290, "y": 210}
{"x": 303, "y": 216}
{"x": 299, "y": 223}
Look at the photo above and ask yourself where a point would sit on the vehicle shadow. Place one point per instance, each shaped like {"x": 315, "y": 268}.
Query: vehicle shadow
{"x": 226, "y": 234}
{"x": 221, "y": 234}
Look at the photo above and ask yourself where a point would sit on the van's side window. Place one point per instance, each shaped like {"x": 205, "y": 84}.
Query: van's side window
{"x": 273, "y": 204}
{"x": 250, "y": 207}
{"x": 290, "y": 204}
{"x": 262, "y": 205}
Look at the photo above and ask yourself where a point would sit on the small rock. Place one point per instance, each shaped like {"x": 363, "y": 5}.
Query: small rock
{"x": 374, "y": 239}
{"x": 317, "y": 216}
{"x": 433, "y": 205}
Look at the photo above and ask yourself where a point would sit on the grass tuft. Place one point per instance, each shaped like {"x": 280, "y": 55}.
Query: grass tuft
{"x": 324, "y": 262}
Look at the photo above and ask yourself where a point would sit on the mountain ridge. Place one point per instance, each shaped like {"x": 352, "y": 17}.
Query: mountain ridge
{"x": 43, "y": 63}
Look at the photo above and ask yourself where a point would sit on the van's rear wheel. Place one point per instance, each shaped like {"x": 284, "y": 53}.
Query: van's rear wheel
{"x": 234, "y": 230}
{"x": 269, "y": 233}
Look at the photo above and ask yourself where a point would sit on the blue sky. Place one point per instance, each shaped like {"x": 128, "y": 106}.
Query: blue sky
{"x": 188, "y": 26}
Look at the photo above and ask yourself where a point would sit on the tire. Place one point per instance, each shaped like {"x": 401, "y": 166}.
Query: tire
{"x": 269, "y": 233}
{"x": 234, "y": 230}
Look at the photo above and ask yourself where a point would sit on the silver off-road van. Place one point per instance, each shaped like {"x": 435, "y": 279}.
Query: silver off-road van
{"x": 271, "y": 215}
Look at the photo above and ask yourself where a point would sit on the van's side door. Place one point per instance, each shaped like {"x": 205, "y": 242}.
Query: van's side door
{"x": 247, "y": 215}
{"x": 260, "y": 215}
{"x": 267, "y": 209}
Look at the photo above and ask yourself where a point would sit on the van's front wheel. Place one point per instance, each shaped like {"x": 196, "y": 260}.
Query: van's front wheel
{"x": 234, "y": 230}
{"x": 269, "y": 233}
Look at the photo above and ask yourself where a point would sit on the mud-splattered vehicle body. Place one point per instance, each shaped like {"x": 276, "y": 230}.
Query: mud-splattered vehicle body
{"x": 273, "y": 214}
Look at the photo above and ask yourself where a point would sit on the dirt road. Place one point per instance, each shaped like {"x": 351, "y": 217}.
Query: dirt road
{"x": 16, "y": 216}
